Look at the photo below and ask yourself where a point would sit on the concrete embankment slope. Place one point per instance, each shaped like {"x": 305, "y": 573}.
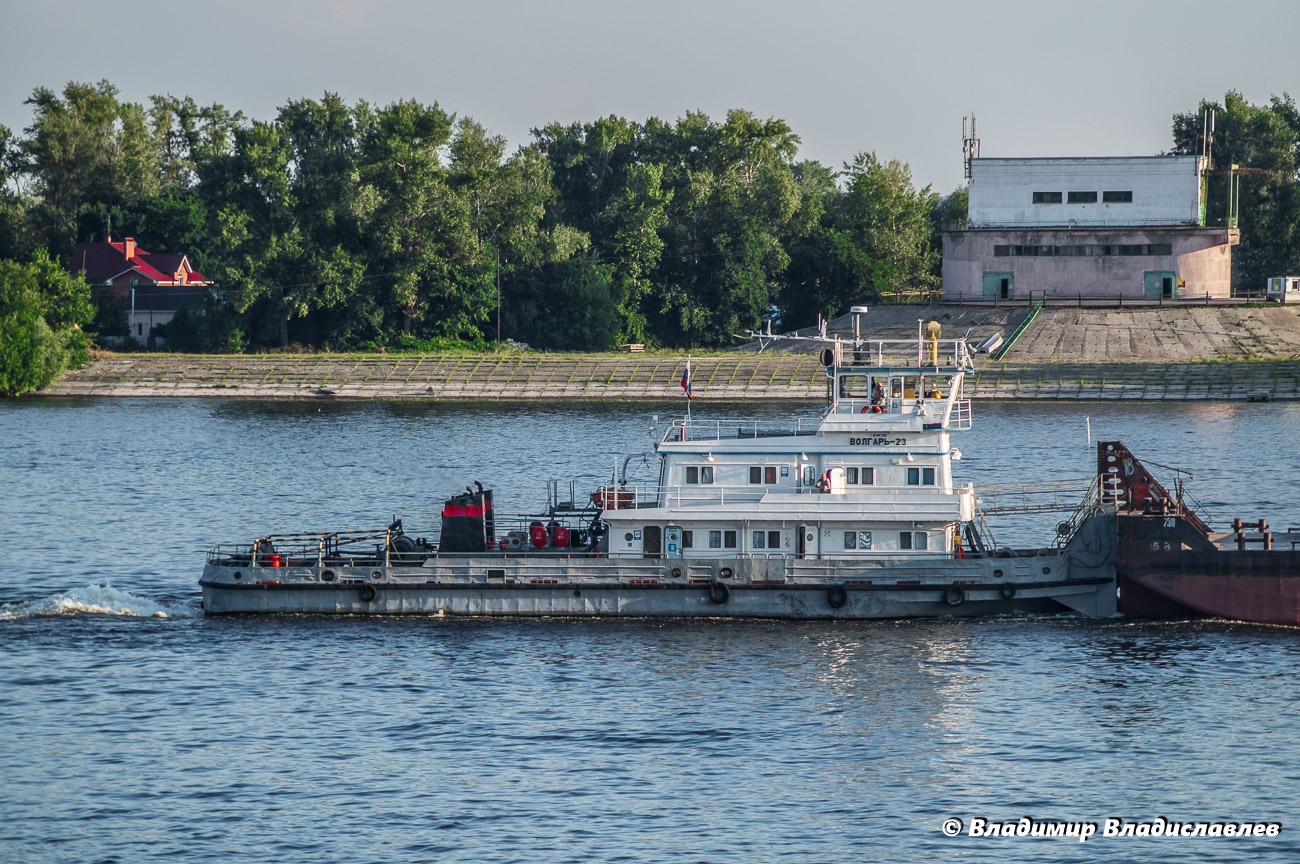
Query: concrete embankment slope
{"x": 764, "y": 377}
{"x": 1156, "y": 353}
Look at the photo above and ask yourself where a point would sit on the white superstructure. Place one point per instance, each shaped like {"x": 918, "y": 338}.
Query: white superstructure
{"x": 872, "y": 478}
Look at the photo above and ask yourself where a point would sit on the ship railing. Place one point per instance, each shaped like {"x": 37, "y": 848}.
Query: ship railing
{"x": 631, "y": 497}
{"x": 960, "y": 415}
{"x": 306, "y": 549}
{"x": 731, "y": 428}
{"x": 941, "y": 353}
{"x": 1088, "y": 505}
{"x": 1058, "y": 496}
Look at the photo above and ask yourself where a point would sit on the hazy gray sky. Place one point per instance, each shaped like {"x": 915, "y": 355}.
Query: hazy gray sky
{"x": 1044, "y": 78}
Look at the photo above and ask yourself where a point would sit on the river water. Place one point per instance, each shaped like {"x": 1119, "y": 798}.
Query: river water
{"x": 132, "y": 728}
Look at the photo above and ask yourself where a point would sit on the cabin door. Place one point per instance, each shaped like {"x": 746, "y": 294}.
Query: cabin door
{"x": 651, "y": 546}
{"x": 806, "y": 543}
{"x": 673, "y": 541}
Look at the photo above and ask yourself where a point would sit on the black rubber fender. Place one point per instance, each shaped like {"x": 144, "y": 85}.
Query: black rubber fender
{"x": 719, "y": 593}
{"x": 954, "y": 596}
{"x": 368, "y": 593}
{"x": 836, "y": 596}
{"x": 1007, "y": 591}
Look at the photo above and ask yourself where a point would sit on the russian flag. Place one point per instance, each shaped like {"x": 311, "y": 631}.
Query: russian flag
{"x": 686, "y": 378}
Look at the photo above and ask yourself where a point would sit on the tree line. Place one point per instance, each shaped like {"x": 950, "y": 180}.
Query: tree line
{"x": 346, "y": 226}
{"x": 363, "y": 227}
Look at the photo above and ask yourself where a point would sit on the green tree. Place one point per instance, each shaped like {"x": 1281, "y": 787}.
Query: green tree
{"x": 1265, "y": 140}
{"x": 42, "y": 311}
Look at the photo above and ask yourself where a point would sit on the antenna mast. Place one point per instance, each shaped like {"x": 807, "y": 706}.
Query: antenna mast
{"x": 970, "y": 144}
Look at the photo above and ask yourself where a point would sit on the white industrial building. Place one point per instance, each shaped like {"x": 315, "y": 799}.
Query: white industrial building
{"x": 1122, "y": 227}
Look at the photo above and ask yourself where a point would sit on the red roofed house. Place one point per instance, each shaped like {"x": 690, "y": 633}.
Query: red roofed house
{"x": 151, "y": 285}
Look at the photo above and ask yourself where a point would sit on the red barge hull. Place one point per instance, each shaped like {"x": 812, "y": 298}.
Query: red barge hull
{"x": 1169, "y": 564}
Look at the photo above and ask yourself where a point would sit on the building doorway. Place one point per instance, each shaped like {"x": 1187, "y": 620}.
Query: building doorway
{"x": 1158, "y": 284}
{"x": 999, "y": 286}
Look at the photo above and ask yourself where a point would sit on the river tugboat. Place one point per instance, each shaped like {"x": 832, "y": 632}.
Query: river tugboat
{"x": 852, "y": 515}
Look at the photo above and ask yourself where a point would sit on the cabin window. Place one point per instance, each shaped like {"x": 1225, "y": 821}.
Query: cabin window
{"x": 913, "y": 540}
{"x": 688, "y": 539}
{"x": 909, "y": 387}
{"x": 699, "y": 473}
{"x": 855, "y": 476}
{"x": 896, "y": 388}
{"x": 715, "y": 539}
{"x": 729, "y": 539}
{"x": 766, "y": 539}
{"x": 760, "y": 539}
{"x": 769, "y": 474}
{"x": 857, "y": 539}
{"x": 920, "y": 476}
{"x": 762, "y": 474}
{"x": 809, "y": 475}
{"x": 755, "y": 474}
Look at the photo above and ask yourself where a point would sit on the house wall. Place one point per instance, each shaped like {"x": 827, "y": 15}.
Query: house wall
{"x": 1166, "y": 190}
{"x": 1200, "y": 256}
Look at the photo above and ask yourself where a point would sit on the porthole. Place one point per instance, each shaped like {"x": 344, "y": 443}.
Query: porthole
{"x": 239, "y": 575}
{"x": 628, "y": 536}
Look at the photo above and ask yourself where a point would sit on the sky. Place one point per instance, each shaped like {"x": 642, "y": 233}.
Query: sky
{"x": 1044, "y": 78}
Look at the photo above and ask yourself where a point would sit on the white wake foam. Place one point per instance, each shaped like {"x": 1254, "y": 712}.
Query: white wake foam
{"x": 95, "y": 600}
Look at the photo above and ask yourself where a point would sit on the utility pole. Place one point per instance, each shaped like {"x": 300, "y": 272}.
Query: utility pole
{"x": 498, "y": 296}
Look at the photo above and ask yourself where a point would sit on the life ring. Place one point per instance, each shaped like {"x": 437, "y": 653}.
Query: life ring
{"x": 368, "y": 593}
{"x": 719, "y": 593}
{"x": 836, "y": 596}
{"x": 677, "y": 572}
{"x": 725, "y": 573}
{"x": 865, "y": 409}
{"x": 1007, "y": 591}
{"x": 954, "y": 596}
{"x": 327, "y": 576}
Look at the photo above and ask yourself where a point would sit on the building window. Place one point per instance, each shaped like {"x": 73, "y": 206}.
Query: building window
{"x": 729, "y": 539}
{"x": 1082, "y": 197}
{"x": 715, "y": 539}
{"x": 1082, "y": 250}
{"x": 688, "y": 539}
{"x": 920, "y": 476}
{"x": 1047, "y": 197}
{"x": 1117, "y": 197}
{"x": 699, "y": 473}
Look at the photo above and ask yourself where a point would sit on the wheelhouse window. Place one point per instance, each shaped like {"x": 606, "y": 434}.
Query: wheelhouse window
{"x": 699, "y": 473}
{"x": 920, "y": 476}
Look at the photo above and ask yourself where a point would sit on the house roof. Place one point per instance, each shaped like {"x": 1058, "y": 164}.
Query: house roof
{"x": 102, "y": 262}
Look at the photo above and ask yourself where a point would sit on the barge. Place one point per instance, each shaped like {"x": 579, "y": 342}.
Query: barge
{"x": 1171, "y": 565}
{"x": 855, "y": 514}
